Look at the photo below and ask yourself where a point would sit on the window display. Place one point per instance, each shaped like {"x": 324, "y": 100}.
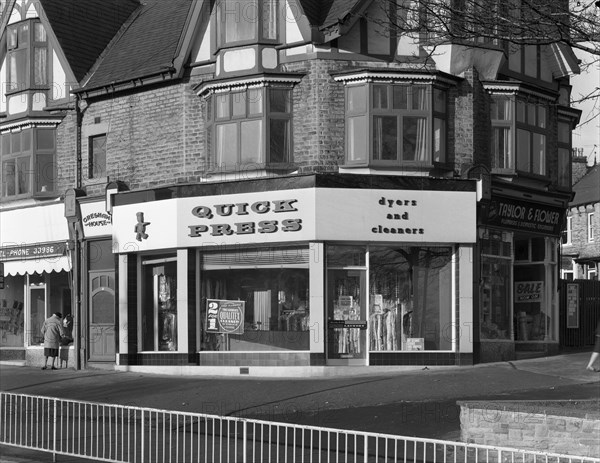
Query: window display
{"x": 496, "y": 275}
{"x": 410, "y": 298}
{"x": 159, "y": 305}
{"x": 12, "y": 327}
{"x": 273, "y": 283}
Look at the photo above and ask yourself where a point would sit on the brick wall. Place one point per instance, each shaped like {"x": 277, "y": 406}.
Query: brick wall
{"x": 565, "y": 427}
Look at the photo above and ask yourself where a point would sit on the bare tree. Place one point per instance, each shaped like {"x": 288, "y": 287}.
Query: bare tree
{"x": 501, "y": 24}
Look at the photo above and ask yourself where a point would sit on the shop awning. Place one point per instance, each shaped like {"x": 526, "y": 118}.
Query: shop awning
{"x": 21, "y": 267}
{"x": 34, "y": 239}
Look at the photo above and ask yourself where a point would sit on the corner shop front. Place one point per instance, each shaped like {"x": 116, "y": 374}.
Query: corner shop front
{"x": 306, "y": 271}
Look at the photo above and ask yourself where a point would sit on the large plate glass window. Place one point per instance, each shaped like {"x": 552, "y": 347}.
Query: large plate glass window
{"x": 274, "y": 285}
{"x": 410, "y": 298}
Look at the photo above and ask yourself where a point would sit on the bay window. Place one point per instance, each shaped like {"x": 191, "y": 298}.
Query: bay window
{"x": 407, "y": 123}
{"x": 250, "y": 127}
{"x": 27, "y": 65}
{"x": 246, "y": 21}
{"x": 28, "y": 162}
{"x": 519, "y": 135}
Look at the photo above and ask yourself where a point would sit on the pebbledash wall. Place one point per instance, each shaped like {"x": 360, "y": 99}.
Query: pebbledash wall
{"x": 313, "y": 270}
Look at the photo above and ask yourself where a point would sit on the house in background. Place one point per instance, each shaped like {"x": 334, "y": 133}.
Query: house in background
{"x": 240, "y": 185}
{"x": 580, "y": 246}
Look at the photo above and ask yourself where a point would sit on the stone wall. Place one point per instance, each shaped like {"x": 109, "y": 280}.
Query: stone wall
{"x": 564, "y": 427}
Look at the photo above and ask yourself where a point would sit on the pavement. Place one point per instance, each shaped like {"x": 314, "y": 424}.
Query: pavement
{"x": 410, "y": 401}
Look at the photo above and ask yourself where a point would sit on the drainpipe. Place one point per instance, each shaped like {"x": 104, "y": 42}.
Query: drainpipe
{"x": 77, "y": 267}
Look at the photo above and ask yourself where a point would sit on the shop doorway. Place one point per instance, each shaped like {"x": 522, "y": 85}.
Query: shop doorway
{"x": 346, "y": 317}
{"x": 102, "y": 316}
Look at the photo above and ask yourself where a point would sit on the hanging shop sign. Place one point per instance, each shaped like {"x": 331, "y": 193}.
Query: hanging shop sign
{"x": 224, "y": 316}
{"x": 33, "y": 251}
{"x": 572, "y": 305}
{"x": 525, "y": 216}
{"x": 95, "y": 220}
{"x": 529, "y": 291}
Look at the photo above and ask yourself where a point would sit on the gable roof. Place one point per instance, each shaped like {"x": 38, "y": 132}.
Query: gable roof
{"x": 147, "y": 46}
{"x": 587, "y": 190}
{"x": 84, "y": 28}
{"x": 324, "y": 13}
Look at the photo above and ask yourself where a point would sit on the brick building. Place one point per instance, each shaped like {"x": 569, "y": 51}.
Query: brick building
{"x": 580, "y": 245}
{"x": 249, "y": 184}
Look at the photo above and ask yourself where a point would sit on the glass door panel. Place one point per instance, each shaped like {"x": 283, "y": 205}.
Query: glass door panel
{"x": 346, "y": 317}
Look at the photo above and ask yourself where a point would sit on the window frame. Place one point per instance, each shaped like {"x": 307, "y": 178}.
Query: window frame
{"x": 266, "y": 115}
{"x": 29, "y": 68}
{"x": 258, "y": 23}
{"x": 93, "y": 172}
{"x": 35, "y": 172}
{"x": 529, "y": 118}
{"x": 568, "y": 232}
{"x": 590, "y": 227}
{"x": 369, "y": 111}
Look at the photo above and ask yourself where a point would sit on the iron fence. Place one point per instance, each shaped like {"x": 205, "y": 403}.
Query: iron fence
{"x": 116, "y": 433}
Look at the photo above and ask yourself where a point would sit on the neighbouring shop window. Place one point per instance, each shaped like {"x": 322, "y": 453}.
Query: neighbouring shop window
{"x": 48, "y": 293}
{"x": 407, "y": 122}
{"x": 251, "y": 127}
{"x": 535, "y": 290}
{"x": 273, "y": 283}
{"x": 12, "y": 313}
{"x": 496, "y": 278}
{"x": 159, "y": 304}
{"x": 28, "y": 162}
{"x": 410, "y": 291}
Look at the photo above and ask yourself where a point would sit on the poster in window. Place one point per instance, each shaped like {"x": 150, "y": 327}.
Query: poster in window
{"x": 529, "y": 291}
{"x": 224, "y": 316}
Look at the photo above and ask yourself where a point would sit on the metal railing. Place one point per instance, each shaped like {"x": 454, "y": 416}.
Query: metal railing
{"x": 116, "y": 433}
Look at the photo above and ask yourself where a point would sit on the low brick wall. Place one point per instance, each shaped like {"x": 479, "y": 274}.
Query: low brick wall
{"x": 569, "y": 427}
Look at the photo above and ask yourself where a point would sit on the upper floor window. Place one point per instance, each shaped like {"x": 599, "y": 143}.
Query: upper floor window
{"x": 404, "y": 123}
{"x": 97, "y": 156}
{"x": 28, "y": 162}
{"x": 568, "y": 232}
{"x": 27, "y": 56}
{"x": 519, "y": 134}
{"x": 590, "y": 227}
{"x": 250, "y": 127}
{"x": 240, "y": 21}
{"x": 564, "y": 154}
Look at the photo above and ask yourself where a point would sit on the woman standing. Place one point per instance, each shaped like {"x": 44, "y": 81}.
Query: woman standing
{"x": 53, "y": 331}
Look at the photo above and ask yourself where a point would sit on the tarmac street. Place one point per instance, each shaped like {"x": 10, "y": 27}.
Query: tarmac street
{"x": 413, "y": 402}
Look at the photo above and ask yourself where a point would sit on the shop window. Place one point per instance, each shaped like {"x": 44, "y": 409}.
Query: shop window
{"x": 249, "y": 128}
{"x": 274, "y": 285}
{"x": 246, "y": 21}
{"x": 410, "y": 298}
{"x": 97, "y": 156}
{"x": 519, "y": 134}
{"x": 407, "y": 124}
{"x": 12, "y": 313}
{"x": 590, "y": 227}
{"x": 495, "y": 287}
{"x": 159, "y": 304}
{"x": 567, "y": 234}
{"x": 28, "y": 162}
